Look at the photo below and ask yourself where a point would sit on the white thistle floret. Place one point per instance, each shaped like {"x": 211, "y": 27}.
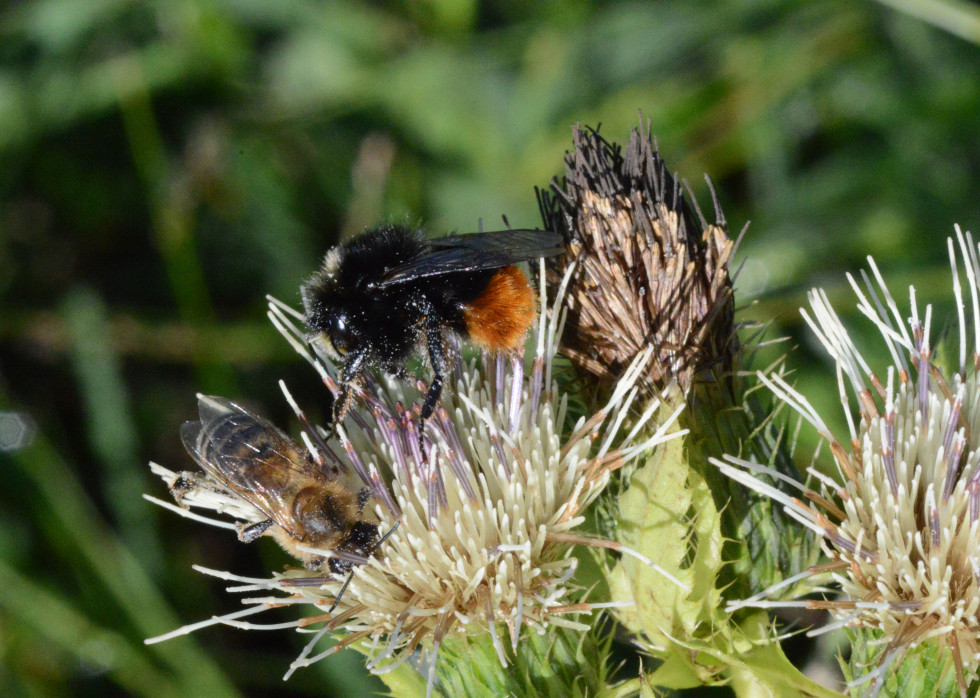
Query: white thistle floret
{"x": 901, "y": 523}
{"x": 486, "y": 517}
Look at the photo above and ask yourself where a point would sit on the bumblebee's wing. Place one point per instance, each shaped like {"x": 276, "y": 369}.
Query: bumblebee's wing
{"x": 249, "y": 456}
{"x": 473, "y": 252}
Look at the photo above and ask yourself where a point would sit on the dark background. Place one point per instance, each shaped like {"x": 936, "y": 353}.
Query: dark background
{"x": 165, "y": 164}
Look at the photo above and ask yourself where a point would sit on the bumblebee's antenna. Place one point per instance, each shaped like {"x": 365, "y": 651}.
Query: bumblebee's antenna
{"x": 350, "y": 575}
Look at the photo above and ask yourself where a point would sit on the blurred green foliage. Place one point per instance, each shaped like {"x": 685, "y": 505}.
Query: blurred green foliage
{"x": 165, "y": 164}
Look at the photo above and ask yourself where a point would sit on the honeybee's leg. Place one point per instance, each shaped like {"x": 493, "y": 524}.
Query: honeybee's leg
{"x": 188, "y": 482}
{"x": 349, "y": 375}
{"x": 350, "y": 575}
{"x": 437, "y": 357}
{"x": 246, "y": 534}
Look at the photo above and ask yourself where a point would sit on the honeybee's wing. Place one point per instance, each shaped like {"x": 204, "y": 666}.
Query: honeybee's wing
{"x": 251, "y": 457}
{"x": 457, "y": 253}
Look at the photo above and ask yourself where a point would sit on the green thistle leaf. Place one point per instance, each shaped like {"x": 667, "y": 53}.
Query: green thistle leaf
{"x": 656, "y": 520}
{"x": 667, "y": 513}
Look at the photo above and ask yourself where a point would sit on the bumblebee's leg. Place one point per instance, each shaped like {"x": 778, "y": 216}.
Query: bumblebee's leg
{"x": 246, "y": 534}
{"x": 349, "y": 375}
{"x": 340, "y": 404}
{"x": 437, "y": 357}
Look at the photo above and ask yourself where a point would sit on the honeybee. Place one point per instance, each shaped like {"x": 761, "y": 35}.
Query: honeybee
{"x": 306, "y": 503}
{"x": 390, "y": 292}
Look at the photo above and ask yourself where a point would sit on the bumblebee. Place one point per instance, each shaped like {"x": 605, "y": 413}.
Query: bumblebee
{"x": 306, "y": 503}
{"x": 390, "y": 292}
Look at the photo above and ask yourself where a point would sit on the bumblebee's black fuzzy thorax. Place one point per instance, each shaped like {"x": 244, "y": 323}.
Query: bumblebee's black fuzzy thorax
{"x": 364, "y": 258}
{"x": 348, "y": 269}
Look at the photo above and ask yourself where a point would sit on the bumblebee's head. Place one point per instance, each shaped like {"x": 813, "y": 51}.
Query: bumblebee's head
{"x": 332, "y": 330}
{"x": 330, "y": 323}
{"x": 340, "y": 333}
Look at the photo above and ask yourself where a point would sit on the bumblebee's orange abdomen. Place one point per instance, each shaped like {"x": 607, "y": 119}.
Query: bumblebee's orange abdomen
{"x": 500, "y": 317}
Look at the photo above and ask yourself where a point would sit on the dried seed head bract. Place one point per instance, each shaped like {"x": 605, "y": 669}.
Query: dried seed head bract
{"x": 487, "y": 509}
{"x": 901, "y": 518}
{"x": 650, "y": 272}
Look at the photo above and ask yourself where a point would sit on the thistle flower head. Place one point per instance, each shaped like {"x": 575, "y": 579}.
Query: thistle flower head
{"x": 479, "y": 521}
{"x": 901, "y": 521}
{"x": 648, "y": 271}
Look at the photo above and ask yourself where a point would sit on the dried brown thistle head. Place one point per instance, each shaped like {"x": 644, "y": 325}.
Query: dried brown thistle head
{"x": 650, "y": 271}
